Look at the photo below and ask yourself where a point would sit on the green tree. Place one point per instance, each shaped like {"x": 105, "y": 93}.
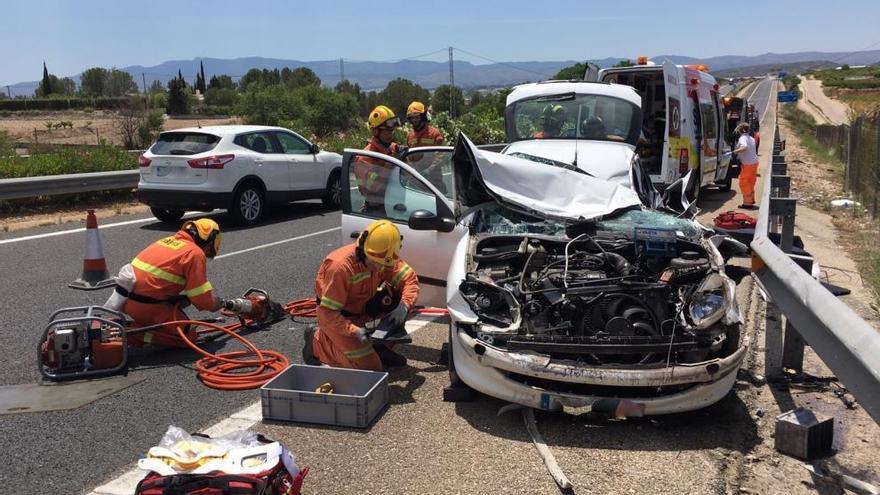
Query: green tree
{"x": 442, "y": 96}
{"x": 299, "y": 78}
{"x": 157, "y": 87}
{"x": 221, "y": 82}
{"x": 64, "y": 86}
{"x": 92, "y": 81}
{"x": 178, "y": 101}
{"x": 220, "y": 97}
{"x": 119, "y": 83}
{"x": 399, "y": 93}
{"x": 45, "y": 88}
{"x": 625, "y": 63}
{"x": 573, "y": 72}
{"x": 200, "y": 84}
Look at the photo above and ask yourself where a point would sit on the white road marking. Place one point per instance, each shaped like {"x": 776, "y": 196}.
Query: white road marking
{"x": 241, "y": 420}
{"x": 83, "y": 229}
{"x": 283, "y": 241}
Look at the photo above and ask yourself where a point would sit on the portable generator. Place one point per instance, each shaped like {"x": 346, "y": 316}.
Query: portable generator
{"x": 83, "y": 342}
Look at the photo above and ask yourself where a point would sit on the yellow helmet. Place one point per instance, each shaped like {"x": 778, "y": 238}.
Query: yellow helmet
{"x": 380, "y": 242}
{"x": 415, "y": 108}
{"x": 383, "y": 116}
{"x": 206, "y": 234}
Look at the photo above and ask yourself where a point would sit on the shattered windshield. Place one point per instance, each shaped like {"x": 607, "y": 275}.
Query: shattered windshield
{"x": 496, "y": 219}
{"x": 582, "y": 116}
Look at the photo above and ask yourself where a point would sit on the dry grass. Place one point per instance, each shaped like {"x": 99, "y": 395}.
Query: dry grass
{"x": 818, "y": 178}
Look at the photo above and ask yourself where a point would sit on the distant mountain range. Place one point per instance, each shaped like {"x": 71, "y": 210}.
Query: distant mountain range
{"x": 375, "y": 75}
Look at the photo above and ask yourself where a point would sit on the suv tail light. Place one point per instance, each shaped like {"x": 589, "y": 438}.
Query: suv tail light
{"x": 683, "y": 161}
{"x": 144, "y": 161}
{"x": 211, "y": 162}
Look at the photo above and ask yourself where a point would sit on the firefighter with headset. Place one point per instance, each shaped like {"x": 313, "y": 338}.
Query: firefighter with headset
{"x": 166, "y": 275}
{"x": 423, "y": 134}
{"x": 372, "y": 174}
{"x": 348, "y": 281}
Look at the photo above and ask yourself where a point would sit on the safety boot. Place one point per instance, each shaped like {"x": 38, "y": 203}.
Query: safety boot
{"x": 308, "y": 353}
{"x": 389, "y": 358}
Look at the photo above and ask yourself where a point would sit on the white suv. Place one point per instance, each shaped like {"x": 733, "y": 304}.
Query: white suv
{"x": 240, "y": 168}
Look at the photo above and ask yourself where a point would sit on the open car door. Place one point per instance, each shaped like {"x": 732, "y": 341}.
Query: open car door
{"x": 591, "y": 72}
{"x": 415, "y": 193}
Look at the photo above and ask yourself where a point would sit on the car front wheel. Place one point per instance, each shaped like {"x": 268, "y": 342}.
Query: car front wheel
{"x": 248, "y": 204}
{"x": 167, "y": 216}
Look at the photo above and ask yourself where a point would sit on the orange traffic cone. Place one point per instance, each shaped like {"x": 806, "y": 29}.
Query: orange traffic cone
{"x": 94, "y": 273}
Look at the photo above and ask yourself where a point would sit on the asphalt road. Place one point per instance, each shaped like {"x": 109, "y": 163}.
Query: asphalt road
{"x": 74, "y": 451}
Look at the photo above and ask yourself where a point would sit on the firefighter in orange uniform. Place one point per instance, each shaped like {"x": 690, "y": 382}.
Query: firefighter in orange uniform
{"x": 347, "y": 280}
{"x": 552, "y": 118}
{"x": 422, "y": 133}
{"x": 372, "y": 174}
{"x": 167, "y": 272}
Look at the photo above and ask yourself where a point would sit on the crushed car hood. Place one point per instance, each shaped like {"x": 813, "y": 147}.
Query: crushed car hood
{"x": 540, "y": 189}
{"x": 601, "y": 159}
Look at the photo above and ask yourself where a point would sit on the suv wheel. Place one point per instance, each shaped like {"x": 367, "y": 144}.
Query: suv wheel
{"x": 331, "y": 198}
{"x": 725, "y": 184}
{"x": 167, "y": 216}
{"x": 247, "y": 204}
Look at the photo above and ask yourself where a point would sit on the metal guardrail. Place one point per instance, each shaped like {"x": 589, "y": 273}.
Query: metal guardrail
{"x": 50, "y": 185}
{"x": 845, "y": 342}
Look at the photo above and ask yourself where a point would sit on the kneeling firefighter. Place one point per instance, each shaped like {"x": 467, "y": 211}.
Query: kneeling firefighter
{"x": 347, "y": 286}
{"x": 164, "y": 276}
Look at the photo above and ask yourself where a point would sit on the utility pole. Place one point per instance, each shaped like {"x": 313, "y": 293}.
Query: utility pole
{"x": 451, "y": 86}
{"x": 146, "y": 98}
{"x": 8, "y": 93}
{"x": 341, "y": 69}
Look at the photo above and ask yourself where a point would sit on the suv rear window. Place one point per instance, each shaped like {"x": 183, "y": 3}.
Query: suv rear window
{"x": 184, "y": 143}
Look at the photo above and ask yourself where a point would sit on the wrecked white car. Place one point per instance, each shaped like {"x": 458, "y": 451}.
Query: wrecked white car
{"x": 562, "y": 288}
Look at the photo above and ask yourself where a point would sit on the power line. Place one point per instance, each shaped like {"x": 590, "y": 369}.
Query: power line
{"x": 502, "y": 63}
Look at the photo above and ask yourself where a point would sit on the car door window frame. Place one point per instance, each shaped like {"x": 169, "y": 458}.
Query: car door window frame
{"x": 443, "y": 204}
{"x": 240, "y": 140}
{"x": 307, "y": 147}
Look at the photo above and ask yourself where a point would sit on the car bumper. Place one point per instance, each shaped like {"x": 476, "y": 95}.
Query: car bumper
{"x": 484, "y": 368}
{"x": 183, "y": 200}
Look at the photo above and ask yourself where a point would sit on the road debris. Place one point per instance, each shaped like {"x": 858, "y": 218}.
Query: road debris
{"x": 549, "y": 460}
{"x": 844, "y": 481}
{"x": 804, "y": 434}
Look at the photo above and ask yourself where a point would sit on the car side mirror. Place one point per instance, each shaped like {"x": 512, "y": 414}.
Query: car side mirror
{"x": 425, "y": 220}
{"x": 314, "y": 149}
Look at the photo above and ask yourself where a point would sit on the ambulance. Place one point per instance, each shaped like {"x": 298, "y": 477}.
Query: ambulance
{"x": 683, "y": 125}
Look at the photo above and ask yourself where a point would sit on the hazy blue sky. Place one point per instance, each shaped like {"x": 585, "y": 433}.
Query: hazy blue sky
{"x": 74, "y": 35}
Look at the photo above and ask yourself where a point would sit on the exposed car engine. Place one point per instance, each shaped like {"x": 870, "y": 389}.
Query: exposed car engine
{"x": 651, "y": 299}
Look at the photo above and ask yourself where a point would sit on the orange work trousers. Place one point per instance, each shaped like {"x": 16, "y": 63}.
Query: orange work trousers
{"x": 748, "y": 175}
{"x": 344, "y": 351}
{"x": 151, "y": 314}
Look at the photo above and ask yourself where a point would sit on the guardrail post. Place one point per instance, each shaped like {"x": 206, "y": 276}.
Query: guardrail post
{"x": 792, "y": 343}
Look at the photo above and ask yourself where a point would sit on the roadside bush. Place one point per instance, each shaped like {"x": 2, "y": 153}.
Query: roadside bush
{"x": 481, "y": 128}
{"x": 7, "y": 144}
{"x": 220, "y": 97}
{"x": 69, "y": 161}
{"x": 307, "y": 110}
{"x": 150, "y": 128}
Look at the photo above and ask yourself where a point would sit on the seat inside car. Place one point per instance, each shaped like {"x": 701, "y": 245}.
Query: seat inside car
{"x": 259, "y": 144}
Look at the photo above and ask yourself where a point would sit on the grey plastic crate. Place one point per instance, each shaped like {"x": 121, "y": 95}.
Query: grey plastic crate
{"x": 359, "y": 396}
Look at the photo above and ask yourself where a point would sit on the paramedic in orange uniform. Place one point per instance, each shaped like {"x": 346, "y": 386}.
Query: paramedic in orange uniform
{"x": 166, "y": 272}
{"x": 347, "y": 279}
{"x": 747, "y": 154}
{"x": 372, "y": 174}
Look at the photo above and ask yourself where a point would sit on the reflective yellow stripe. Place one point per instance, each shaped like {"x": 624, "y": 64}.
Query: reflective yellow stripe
{"x": 360, "y": 353}
{"x": 198, "y": 291}
{"x": 330, "y": 303}
{"x": 360, "y": 277}
{"x": 154, "y": 270}
{"x": 148, "y": 337}
{"x": 397, "y": 278}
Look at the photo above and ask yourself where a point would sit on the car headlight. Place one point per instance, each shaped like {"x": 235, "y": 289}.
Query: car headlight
{"x": 492, "y": 304}
{"x": 709, "y": 303}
